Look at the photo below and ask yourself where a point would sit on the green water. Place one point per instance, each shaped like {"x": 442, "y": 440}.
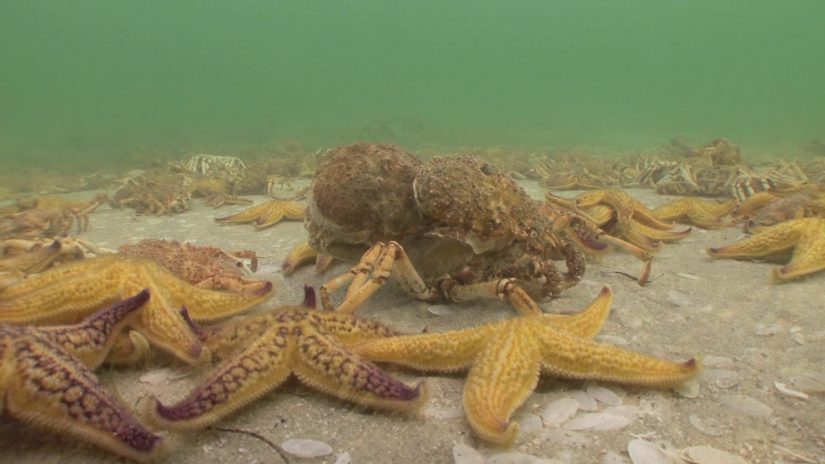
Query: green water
{"x": 102, "y": 79}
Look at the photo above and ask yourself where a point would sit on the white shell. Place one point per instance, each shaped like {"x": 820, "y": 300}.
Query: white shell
{"x": 707, "y": 426}
{"x": 645, "y": 452}
{"x": 808, "y": 382}
{"x": 599, "y": 422}
{"x": 604, "y": 395}
{"x": 788, "y": 392}
{"x": 529, "y": 423}
{"x": 709, "y": 455}
{"x": 560, "y": 411}
{"x": 440, "y": 310}
{"x": 585, "y": 400}
{"x": 747, "y": 405}
{"x": 305, "y": 448}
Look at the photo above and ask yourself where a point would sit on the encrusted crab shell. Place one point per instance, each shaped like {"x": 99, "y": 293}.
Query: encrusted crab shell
{"x": 363, "y": 193}
{"x": 472, "y": 201}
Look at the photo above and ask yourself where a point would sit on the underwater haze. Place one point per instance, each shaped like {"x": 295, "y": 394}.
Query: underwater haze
{"x": 98, "y": 79}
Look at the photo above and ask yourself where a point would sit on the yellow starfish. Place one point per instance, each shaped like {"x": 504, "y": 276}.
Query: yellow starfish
{"x": 805, "y": 237}
{"x": 262, "y": 351}
{"x": 302, "y": 254}
{"x": 505, "y": 359}
{"x": 703, "y": 213}
{"x": 266, "y": 214}
{"x": 46, "y": 380}
{"x": 621, "y": 216}
{"x": 70, "y": 292}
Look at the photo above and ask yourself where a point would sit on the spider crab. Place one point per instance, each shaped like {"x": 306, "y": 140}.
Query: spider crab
{"x": 448, "y": 229}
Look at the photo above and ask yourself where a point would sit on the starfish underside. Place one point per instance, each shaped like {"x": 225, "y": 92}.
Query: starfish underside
{"x": 505, "y": 359}
{"x": 46, "y": 380}
{"x": 703, "y": 213}
{"x": 266, "y": 214}
{"x": 262, "y": 351}
{"x": 70, "y": 292}
{"x": 806, "y": 237}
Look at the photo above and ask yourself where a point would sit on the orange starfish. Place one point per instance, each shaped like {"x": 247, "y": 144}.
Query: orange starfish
{"x": 70, "y": 292}
{"x": 47, "y": 380}
{"x": 804, "y": 237}
{"x": 504, "y": 360}
{"x": 266, "y": 214}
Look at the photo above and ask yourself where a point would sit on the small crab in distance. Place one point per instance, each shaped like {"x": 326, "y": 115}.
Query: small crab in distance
{"x": 448, "y": 229}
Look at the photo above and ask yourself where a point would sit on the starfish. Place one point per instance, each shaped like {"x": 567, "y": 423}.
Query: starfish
{"x": 262, "y": 351}
{"x": 302, "y": 254}
{"x": 805, "y": 237}
{"x": 703, "y": 213}
{"x": 266, "y": 214}
{"x": 72, "y": 291}
{"x": 504, "y": 360}
{"x": 46, "y": 380}
{"x": 622, "y": 216}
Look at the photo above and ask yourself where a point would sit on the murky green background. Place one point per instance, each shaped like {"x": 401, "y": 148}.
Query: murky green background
{"x": 105, "y": 78}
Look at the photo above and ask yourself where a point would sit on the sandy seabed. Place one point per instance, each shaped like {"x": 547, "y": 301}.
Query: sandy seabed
{"x": 751, "y": 332}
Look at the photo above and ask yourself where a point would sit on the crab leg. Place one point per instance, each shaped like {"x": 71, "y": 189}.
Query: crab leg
{"x": 503, "y": 289}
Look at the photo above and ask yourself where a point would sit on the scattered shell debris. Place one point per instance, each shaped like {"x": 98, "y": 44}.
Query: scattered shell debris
{"x": 645, "y": 452}
{"x": 306, "y": 448}
{"x": 790, "y": 392}
{"x": 710, "y": 455}
{"x": 746, "y": 405}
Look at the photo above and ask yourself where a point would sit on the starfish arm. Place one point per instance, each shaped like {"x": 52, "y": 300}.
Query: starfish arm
{"x": 662, "y": 235}
{"x": 589, "y": 322}
{"x": 128, "y": 349}
{"x": 589, "y": 199}
{"x": 777, "y": 238}
{"x": 163, "y": 325}
{"x": 704, "y": 218}
{"x": 645, "y": 216}
{"x": 278, "y": 210}
{"x": 809, "y": 253}
{"x": 431, "y": 352}
{"x": 224, "y": 339}
{"x": 674, "y": 210}
{"x": 351, "y": 330}
{"x": 90, "y": 340}
{"x": 631, "y": 232}
{"x": 299, "y": 256}
{"x": 32, "y": 261}
{"x": 571, "y": 357}
{"x": 236, "y": 382}
{"x": 755, "y": 203}
{"x": 719, "y": 209}
{"x": 600, "y": 214}
{"x": 206, "y": 305}
{"x": 503, "y": 376}
{"x": 42, "y": 299}
{"x": 271, "y": 216}
{"x": 55, "y": 276}
{"x": 248, "y": 215}
{"x": 327, "y": 366}
{"x": 53, "y": 390}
